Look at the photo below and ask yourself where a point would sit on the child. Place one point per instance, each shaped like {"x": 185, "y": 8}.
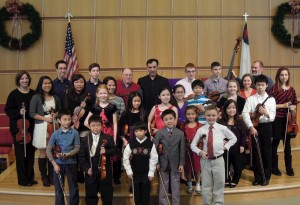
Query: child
{"x": 67, "y": 141}
{"x": 286, "y": 98}
{"x": 262, "y": 132}
{"x": 171, "y": 148}
{"x": 140, "y": 159}
{"x": 167, "y": 101}
{"x": 199, "y": 99}
{"x": 192, "y": 161}
{"x": 95, "y": 145}
{"x": 134, "y": 113}
{"x": 230, "y": 118}
{"x": 212, "y": 135}
{"x": 178, "y": 92}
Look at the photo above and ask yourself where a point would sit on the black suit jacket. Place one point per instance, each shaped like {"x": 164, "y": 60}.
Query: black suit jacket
{"x": 84, "y": 157}
{"x": 150, "y": 90}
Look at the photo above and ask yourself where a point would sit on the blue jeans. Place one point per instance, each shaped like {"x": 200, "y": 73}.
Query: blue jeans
{"x": 69, "y": 170}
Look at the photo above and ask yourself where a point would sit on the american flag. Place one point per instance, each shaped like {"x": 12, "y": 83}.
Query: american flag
{"x": 70, "y": 54}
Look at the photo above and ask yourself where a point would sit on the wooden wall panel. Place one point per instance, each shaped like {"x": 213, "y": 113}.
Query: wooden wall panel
{"x": 81, "y": 8}
{"x": 185, "y": 42}
{"x": 134, "y": 43}
{"x": 109, "y": 43}
{"x": 209, "y": 8}
{"x": 233, "y": 8}
{"x": 160, "y": 41}
{"x": 52, "y": 9}
{"x": 274, "y": 4}
{"x": 159, "y": 7}
{"x": 9, "y": 59}
{"x": 134, "y": 7}
{"x": 54, "y": 44}
{"x": 108, "y": 7}
{"x": 210, "y": 44}
{"x": 257, "y": 8}
{"x": 259, "y": 46}
{"x": 184, "y": 7}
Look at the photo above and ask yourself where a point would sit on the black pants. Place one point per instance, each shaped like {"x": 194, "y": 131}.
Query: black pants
{"x": 141, "y": 190}
{"x": 264, "y": 140}
{"x": 92, "y": 189}
{"x": 24, "y": 164}
{"x": 234, "y": 159}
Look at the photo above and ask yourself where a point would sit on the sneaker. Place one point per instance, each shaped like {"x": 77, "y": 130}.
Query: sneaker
{"x": 198, "y": 188}
{"x": 189, "y": 190}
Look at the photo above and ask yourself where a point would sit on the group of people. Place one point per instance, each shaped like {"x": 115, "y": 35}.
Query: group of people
{"x": 88, "y": 130}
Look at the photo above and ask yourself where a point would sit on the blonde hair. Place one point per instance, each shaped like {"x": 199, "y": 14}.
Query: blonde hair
{"x": 102, "y": 86}
{"x": 237, "y": 85}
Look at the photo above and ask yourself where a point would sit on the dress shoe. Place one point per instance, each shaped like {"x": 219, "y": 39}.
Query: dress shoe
{"x": 33, "y": 182}
{"x": 290, "y": 172}
{"x": 265, "y": 183}
{"x": 232, "y": 185}
{"x": 255, "y": 183}
{"x": 227, "y": 184}
{"x": 25, "y": 184}
{"x": 276, "y": 172}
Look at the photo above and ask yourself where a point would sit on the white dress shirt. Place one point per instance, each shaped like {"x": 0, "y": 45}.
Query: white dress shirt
{"x": 187, "y": 86}
{"x": 220, "y": 133}
{"x": 152, "y": 161}
{"x": 250, "y": 105}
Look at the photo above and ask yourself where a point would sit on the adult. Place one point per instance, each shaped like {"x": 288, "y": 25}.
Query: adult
{"x": 126, "y": 86}
{"x": 93, "y": 82}
{"x": 61, "y": 84}
{"x": 257, "y": 69}
{"x": 247, "y": 89}
{"x": 151, "y": 84}
{"x": 215, "y": 83}
{"x": 190, "y": 72}
{"x": 18, "y": 98}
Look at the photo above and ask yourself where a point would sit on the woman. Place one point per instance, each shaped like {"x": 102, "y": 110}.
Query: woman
{"x": 42, "y": 106}
{"x": 247, "y": 89}
{"x": 285, "y": 96}
{"x": 13, "y": 109}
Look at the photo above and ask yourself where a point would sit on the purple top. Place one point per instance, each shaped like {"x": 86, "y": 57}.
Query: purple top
{"x": 181, "y": 113}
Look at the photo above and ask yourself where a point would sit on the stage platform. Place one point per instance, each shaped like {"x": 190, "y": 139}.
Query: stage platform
{"x": 279, "y": 188}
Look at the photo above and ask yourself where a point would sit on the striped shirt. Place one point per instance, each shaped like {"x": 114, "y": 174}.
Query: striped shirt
{"x": 283, "y": 97}
{"x": 200, "y": 100}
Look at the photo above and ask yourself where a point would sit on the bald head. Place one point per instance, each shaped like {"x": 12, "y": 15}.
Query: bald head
{"x": 127, "y": 76}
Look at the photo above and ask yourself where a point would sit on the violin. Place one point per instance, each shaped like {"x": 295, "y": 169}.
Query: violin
{"x": 292, "y": 126}
{"x": 200, "y": 143}
{"x": 254, "y": 116}
{"x": 53, "y": 126}
{"x": 152, "y": 128}
{"x": 79, "y": 111}
{"x": 23, "y": 136}
{"x": 215, "y": 95}
{"x": 230, "y": 75}
{"x": 56, "y": 150}
{"x": 160, "y": 149}
{"x": 126, "y": 129}
{"x": 102, "y": 163}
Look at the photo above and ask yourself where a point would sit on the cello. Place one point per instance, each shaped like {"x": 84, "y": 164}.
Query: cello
{"x": 235, "y": 50}
{"x": 23, "y": 136}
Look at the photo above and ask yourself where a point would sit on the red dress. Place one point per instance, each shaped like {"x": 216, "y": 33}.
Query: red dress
{"x": 189, "y": 134}
{"x": 159, "y": 124}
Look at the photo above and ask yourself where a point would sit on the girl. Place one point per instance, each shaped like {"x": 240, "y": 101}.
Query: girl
{"x": 247, "y": 89}
{"x": 41, "y": 106}
{"x": 232, "y": 92}
{"x": 134, "y": 113}
{"x": 285, "y": 96}
{"x": 179, "y": 92}
{"x": 192, "y": 160}
{"x": 230, "y": 118}
{"x": 166, "y": 102}
{"x": 13, "y": 109}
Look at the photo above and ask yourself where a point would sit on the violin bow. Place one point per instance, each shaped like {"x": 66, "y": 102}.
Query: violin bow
{"x": 62, "y": 187}
{"x": 132, "y": 184}
{"x": 24, "y": 134}
{"x": 88, "y": 139}
{"x": 163, "y": 185}
{"x": 286, "y": 127}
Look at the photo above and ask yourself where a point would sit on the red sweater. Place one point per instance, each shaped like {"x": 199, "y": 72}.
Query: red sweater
{"x": 124, "y": 92}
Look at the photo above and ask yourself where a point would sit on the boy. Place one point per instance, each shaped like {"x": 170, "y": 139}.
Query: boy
{"x": 93, "y": 82}
{"x": 215, "y": 82}
{"x": 212, "y": 135}
{"x": 263, "y": 132}
{"x": 199, "y": 99}
{"x": 139, "y": 160}
{"x": 93, "y": 148}
{"x": 67, "y": 141}
{"x": 171, "y": 148}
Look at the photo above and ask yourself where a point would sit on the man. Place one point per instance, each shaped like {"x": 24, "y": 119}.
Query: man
{"x": 257, "y": 69}
{"x": 61, "y": 84}
{"x": 190, "y": 72}
{"x": 126, "y": 86}
{"x": 215, "y": 82}
{"x": 151, "y": 84}
{"x": 93, "y": 82}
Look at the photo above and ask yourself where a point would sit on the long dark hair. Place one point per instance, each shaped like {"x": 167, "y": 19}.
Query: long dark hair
{"x": 225, "y": 116}
{"x": 130, "y": 106}
{"x": 75, "y": 78}
{"x": 277, "y": 79}
{"x": 39, "y": 89}
{"x": 172, "y": 98}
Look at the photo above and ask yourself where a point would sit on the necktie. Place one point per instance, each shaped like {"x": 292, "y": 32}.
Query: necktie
{"x": 210, "y": 148}
{"x": 170, "y": 133}
{"x": 94, "y": 145}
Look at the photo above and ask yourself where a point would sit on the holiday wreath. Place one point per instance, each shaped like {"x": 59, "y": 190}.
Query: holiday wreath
{"x": 27, "y": 40}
